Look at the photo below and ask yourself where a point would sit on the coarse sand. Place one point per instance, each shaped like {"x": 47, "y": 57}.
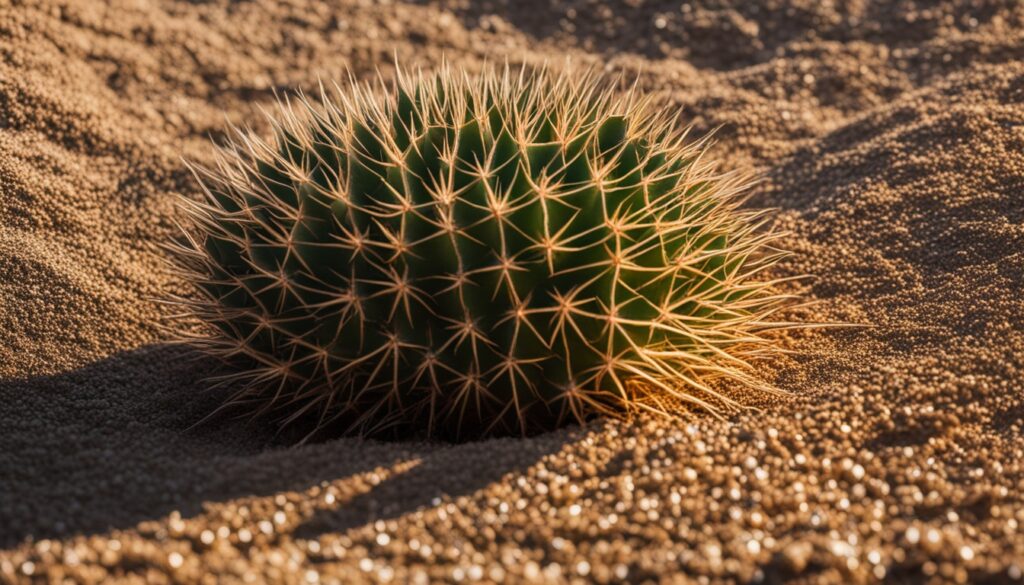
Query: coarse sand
{"x": 890, "y": 138}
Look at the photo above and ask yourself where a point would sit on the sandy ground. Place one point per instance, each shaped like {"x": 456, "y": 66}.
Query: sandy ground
{"x": 891, "y": 139}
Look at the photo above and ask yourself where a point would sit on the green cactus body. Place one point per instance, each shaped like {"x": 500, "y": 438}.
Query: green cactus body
{"x": 475, "y": 256}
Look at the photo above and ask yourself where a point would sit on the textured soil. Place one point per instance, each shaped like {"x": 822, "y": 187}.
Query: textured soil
{"x": 890, "y": 138}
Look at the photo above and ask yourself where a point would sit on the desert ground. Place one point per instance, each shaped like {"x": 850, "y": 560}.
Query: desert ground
{"x": 889, "y": 138}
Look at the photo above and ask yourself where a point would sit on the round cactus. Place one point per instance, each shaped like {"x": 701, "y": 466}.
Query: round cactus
{"x": 464, "y": 256}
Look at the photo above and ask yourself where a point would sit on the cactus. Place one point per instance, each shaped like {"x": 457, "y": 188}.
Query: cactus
{"x": 465, "y": 256}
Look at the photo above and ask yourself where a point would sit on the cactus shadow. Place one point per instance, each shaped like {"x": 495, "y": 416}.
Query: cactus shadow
{"x": 113, "y": 444}
{"x": 442, "y": 475}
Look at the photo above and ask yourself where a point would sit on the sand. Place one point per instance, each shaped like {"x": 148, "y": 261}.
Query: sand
{"x": 890, "y": 138}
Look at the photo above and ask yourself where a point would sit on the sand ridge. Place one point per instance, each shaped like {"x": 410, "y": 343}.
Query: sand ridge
{"x": 890, "y": 136}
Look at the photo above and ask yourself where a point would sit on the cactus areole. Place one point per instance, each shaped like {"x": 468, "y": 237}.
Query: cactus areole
{"x": 464, "y": 256}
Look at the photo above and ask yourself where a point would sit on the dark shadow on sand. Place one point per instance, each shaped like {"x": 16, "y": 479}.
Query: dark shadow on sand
{"x": 446, "y": 473}
{"x": 111, "y": 444}
{"x": 676, "y": 30}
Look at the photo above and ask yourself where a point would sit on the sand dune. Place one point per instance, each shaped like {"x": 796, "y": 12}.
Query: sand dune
{"x": 890, "y": 137}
